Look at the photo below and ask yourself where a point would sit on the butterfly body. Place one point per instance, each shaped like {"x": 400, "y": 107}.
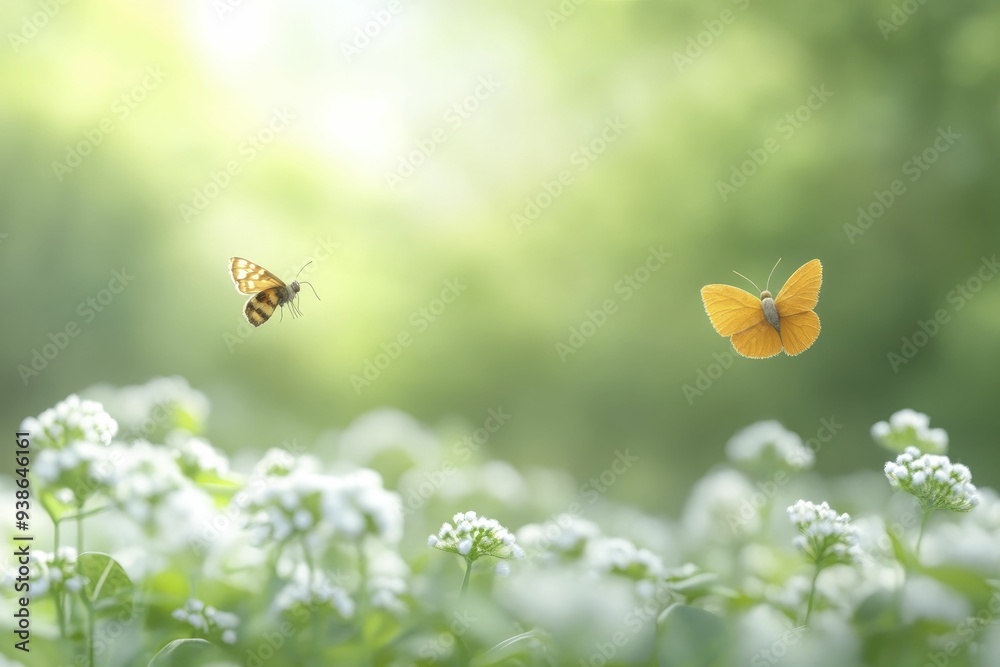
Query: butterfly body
{"x": 762, "y": 327}
{"x": 770, "y": 310}
{"x": 269, "y": 292}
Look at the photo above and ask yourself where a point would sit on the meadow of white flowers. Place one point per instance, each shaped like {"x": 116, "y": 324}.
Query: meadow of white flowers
{"x": 387, "y": 543}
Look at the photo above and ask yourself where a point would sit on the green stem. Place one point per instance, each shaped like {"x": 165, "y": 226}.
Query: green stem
{"x": 812, "y": 595}
{"x": 91, "y": 631}
{"x": 58, "y": 592}
{"x": 468, "y": 573}
{"x": 79, "y": 530}
{"x": 923, "y": 525}
{"x": 362, "y": 610}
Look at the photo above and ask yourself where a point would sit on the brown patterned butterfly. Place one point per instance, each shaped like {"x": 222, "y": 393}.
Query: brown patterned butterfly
{"x": 269, "y": 291}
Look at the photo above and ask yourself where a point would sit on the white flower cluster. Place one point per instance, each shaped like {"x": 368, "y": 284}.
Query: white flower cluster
{"x": 620, "y": 556}
{"x": 141, "y": 476}
{"x": 826, "y": 537}
{"x": 475, "y": 536}
{"x": 770, "y": 437}
{"x": 155, "y": 408}
{"x": 70, "y": 420}
{"x": 75, "y": 471}
{"x": 196, "y": 456}
{"x": 566, "y": 535}
{"x": 206, "y": 619}
{"x": 314, "y": 591}
{"x": 358, "y": 503}
{"x": 909, "y": 428}
{"x": 934, "y": 480}
{"x": 296, "y": 499}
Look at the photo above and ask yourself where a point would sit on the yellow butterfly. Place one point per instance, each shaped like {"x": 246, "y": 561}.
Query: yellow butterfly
{"x": 760, "y": 328}
{"x": 269, "y": 291}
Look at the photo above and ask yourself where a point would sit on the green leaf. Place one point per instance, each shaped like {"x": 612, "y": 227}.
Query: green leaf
{"x": 56, "y": 509}
{"x": 181, "y": 652}
{"x": 107, "y": 585}
{"x": 524, "y": 644}
{"x": 902, "y": 552}
{"x": 968, "y": 583}
{"x": 692, "y": 637}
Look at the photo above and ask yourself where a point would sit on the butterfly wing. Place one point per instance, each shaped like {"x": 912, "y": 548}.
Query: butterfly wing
{"x": 731, "y": 309}
{"x": 262, "y": 305}
{"x": 759, "y": 341}
{"x": 801, "y": 291}
{"x": 250, "y": 278}
{"x": 799, "y": 331}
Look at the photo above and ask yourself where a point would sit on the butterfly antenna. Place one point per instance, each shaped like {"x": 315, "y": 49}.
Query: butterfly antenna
{"x": 303, "y": 282}
{"x": 304, "y": 268}
{"x": 746, "y": 279}
{"x": 768, "y": 286}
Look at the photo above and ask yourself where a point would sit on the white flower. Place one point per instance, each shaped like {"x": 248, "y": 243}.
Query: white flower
{"x": 825, "y": 536}
{"x": 312, "y": 590}
{"x": 476, "y": 536}
{"x": 934, "y": 480}
{"x": 620, "y": 556}
{"x": 141, "y": 476}
{"x": 152, "y": 410}
{"x": 357, "y": 503}
{"x": 71, "y": 420}
{"x": 196, "y": 456}
{"x": 387, "y": 572}
{"x": 756, "y": 440}
{"x": 382, "y": 431}
{"x": 75, "y": 472}
{"x": 207, "y": 620}
{"x": 285, "y": 505}
{"x": 566, "y": 534}
{"x": 909, "y": 428}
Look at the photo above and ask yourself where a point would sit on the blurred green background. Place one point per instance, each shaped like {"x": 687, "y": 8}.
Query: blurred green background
{"x": 393, "y": 143}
